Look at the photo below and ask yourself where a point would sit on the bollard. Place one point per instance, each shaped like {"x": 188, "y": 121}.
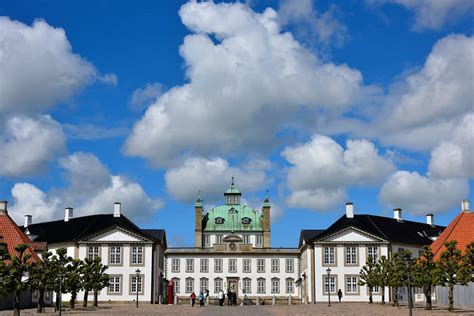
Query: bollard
{"x": 258, "y": 300}
{"x": 274, "y": 300}
{"x": 160, "y": 298}
{"x": 290, "y": 299}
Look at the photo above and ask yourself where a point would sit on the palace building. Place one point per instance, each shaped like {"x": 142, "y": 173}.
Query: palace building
{"x": 232, "y": 252}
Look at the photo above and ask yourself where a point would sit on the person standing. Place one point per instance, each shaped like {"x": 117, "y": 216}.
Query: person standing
{"x": 193, "y": 298}
{"x": 234, "y": 298}
{"x": 229, "y": 297}
{"x": 339, "y": 295}
{"x": 201, "y": 299}
{"x": 207, "y": 297}
{"x": 220, "y": 296}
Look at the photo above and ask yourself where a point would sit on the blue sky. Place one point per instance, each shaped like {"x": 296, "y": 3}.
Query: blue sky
{"x": 319, "y": 102}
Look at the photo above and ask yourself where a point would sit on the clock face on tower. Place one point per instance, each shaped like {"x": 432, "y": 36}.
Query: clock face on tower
{"x": 232, "y": 246}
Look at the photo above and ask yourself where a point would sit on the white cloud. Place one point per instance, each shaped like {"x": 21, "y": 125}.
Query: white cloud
{"x": 143, "y": 97}
{"x": 247, "y": 81}
{"x": 421, "y": 195}
{"x": 321, "y": 170}
{"x": 433, "y": 14}
{"x": 93, "y": 132}
{"x": 212, "y": 176}
{"x": 454, "y": 157}
{"x": 38, "y": 68}
{"x": 91, "y": 189}
{"x": 28, "y": 144}
{"x": 324, "y": 27}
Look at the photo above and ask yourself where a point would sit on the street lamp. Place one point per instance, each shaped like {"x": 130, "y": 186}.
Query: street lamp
{"x": 409, "y": 262}
{"x": 137, "y": 273}
{"x": 328, "y": 270}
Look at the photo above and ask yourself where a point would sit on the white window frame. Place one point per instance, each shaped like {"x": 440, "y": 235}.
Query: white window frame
{"x": 351, "y": 255}
{"x": 331, "y": 286}
{"x": 232, "y": 265}
{"x": 259, "y": 240}
{"x": 352, "y": 284}
{"x": 289, "y": 266}
{"x": 246, "y": 239}
{"x": 207, "y": 240}
{"x": 217, "y": 285}
{"x": 134, "y": 284}
{"x": 115, "y": 284}
{"x": 247, "y": 265}
{"x": 219, "y": 239}
{"x": 373, "y": 251}
{"x": 176, "y": 285}
{"x": 95, "y": 253}
{"x": 137, "y": 254}
{"x": 247, "y": 286}
{"x": 218, "y": 263}
{"x": 203, "y": 285}
{"x": 290, "y": 286}
{"x": 189, "y": 265}
{"x": 260, "y": 265}
{"x": 175, "y": 262}
{"x": 275, "y": 285}
{"x": 204, "y": 265}
{"x": 189, "y": 285}
{"x": 261, "y": 286}
{"x": 275, "y": 265}
{"x": 329, "y": 255}
{"x": 115, "y": 255}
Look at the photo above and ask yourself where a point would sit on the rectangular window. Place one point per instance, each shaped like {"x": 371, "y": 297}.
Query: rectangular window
{"x": 275, "y": 265}
{"x": 137, "y": 255}
{"x": 176, "y": 285}
{"x": 351, "y": 255}
{"x": 376, "y": 289}
{"x": 92, "y": 252}
{"x": 189, "y": 265}
{"x": 189, "y": 285}
{"x": 329, "y": 255}
{"x": 290, "y": 286}
{"x": 114, "y": 284}
{"x": 247, "y": 265}
{"x": 246, "y": 239}
{"x": 373, "y": 252}
{"x": 218, "y": 265}
{"x": 136, "y": 284}
{"x": 205, "y": 265}
{"x": 232, "y": 265}
{"x": 246, "y": 286}
{"x": 261, "y": 286}
{"x": 217, "y": 285}
{"x": 289, "y": 266}
{"x": 204, "y": 285}
{"x": 329, "y": 284}
{"x": 115, "y": 255}
{"x": 275, "y": 286}
{"x": 259, "y": 240}
{"x": 351, "y": 285}
{"x": 218, "y": 239}
{"x": 207, "y": 240}
{"x": 174, "y": 265}
{"x": 260, "y": 265}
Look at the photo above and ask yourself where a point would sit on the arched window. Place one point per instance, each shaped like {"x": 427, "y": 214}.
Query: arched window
{"x": 275, "y": 285}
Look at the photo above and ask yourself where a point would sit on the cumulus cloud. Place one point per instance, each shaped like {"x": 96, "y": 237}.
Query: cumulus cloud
{"x": 143, "y": 97}
{"x": 91, "y": 189}
{"x": 433, "y": 14}
{"x": 212, "y": 176}
{"x": 321, "y": 170}
{"x": 28, "y": 144}
{"x": 420, "y": 195}
{"x": 247, "y": 80}
{"x": 38, "y": 68}
{"x": 324, "y": 27}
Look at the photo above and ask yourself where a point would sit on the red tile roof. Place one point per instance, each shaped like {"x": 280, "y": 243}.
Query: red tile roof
{"x": 461, "y": 229}
{"x": 12, "y": 236}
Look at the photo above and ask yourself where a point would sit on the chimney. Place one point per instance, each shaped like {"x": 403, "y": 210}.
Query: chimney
{"x": 28, "y": 220}
{"x": 68, "y": 214}
{"x": 464, "y": 205}
{"x": 397, "y": 214}
{"x": 3, "y": 208}
{"x": 117, "y": 209}
{"x": 350, "y": 210}
{"x": 429, "y": 219}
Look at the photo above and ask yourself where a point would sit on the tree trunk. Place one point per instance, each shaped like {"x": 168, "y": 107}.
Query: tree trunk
{"x": 56, "y": 305}
{"x": 428, "y": 297}
{"x": 96, "y": 294}
{"x": 17, "y": 306}
{"x": 84, "y": 302}
{"x": 40, "y": 307}
{"x": 73, "y": 300}
{"x": 370, "y": 295}
{"x": 382, "y": 288}
{"x": 395, "y": 296}
{"x": 450, "y": 298}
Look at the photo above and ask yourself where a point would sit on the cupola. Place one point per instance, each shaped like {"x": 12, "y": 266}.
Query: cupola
{"x": 232, "y": 195}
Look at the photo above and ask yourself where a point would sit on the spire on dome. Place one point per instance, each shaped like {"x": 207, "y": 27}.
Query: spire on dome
{"x": 198, "y": 199}
{"x": 266, "y": 201}
{"x": 232, "y": 195}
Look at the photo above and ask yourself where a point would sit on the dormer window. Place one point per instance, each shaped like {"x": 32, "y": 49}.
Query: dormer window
{"x": 220, "y": 220}
{"x": 246, "y": 220}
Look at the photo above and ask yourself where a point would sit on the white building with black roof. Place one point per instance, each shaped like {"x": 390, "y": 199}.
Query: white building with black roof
{"x": 345, "y": 246}
{"x": 122, "y": 246}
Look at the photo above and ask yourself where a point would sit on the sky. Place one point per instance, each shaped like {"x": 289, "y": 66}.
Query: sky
{"x": 318, "y": 102}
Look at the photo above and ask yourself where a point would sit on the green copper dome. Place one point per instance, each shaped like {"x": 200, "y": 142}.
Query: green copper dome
{"x": 232, "y": 218}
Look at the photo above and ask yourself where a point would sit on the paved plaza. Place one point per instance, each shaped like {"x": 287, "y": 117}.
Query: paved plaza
{"x": 281, "y": 310}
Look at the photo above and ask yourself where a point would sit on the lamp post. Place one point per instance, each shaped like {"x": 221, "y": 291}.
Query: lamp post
{"x": 409, "y": 262}
{"x": 328, "y": 270}
{"x": 137, "y": 273}
{"x": 60, "y": 291}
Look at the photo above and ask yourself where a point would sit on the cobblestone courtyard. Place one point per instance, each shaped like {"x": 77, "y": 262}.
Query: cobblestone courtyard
{"x": 295, "y": 310}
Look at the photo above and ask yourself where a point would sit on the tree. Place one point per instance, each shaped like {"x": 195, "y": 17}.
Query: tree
{"x": 73, "y": 280}
{"x": 426, "y": 274}
{"x": 60, "y": 260}
{"x": 467, "y": 264}
{"x": 42, "y": 277}
{"x": 397, "y": 273}
{"x": 450, "y": 266}
{"x": 381, "y": 273}
{"x": 100, "y": 279}
{"x": 15, "y": 278}
{"x": 367, "y": 276}
{"x": 4, "y": 257}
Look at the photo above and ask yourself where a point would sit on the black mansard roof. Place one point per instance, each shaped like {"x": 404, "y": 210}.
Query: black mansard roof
{"x": 157, "y": 234}
{"x": 309, "y": 234}
{"x": 390, "y": 229}
{"x": 77, "y": 228}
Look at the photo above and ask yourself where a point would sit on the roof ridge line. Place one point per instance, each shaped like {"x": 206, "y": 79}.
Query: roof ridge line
{"x": 368, "y": 217}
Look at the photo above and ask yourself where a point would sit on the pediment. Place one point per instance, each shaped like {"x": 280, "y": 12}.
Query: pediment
{"x": 350, "y": 235}
{"x": 232, "y": 238}
{"x": 116, "y": 234}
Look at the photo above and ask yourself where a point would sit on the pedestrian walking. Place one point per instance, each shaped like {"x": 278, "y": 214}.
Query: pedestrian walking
{"x": 201, "y": 299}
{"x": 193, "y": 298}
{"x": 339, "y": 295}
